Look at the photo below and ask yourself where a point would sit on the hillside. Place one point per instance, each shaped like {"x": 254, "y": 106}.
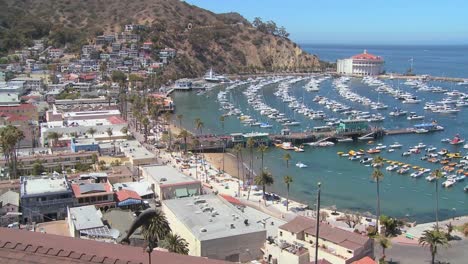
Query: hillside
{"x": 226, "y": 42}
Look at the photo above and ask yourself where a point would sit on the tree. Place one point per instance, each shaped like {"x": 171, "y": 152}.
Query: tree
{"x": 179, "y": 118}
{"x": 195, "y": 145}
{"x": 352, "y": 220}
{"x": 174, "y": 243}
{"x": 10, "y": 136}
{"x": 287, "y": 180}
{"x": 199, "y": 125}
{"x": 157, "y": 229}
{"x": 391, "y": 225}
{"x": 38, "y": 168}
{"x": 377, "y": 176}
{"x": 238, "y": 151}
{"x": 384, "y": 243}
{"x": 109, "y": 132}
{"x": 184, "y": 134}
{"x": 91, "y": 131}
{"x": 124, "y": 130}
{"x": 221, "y": 120}
{"x": 449, "y": 230}
{"x": 433, "y": 239}
{"x": 145, "y": 123}
{"x": 54, "y": 137}
{"x": 438, "y": 175}
{"x": 250, "y": 144}
{"x": 118, "y": 77}
{"x": 286, "y": 157}
{"x": 262, "y": 149}
{"x": 264, "y": 179}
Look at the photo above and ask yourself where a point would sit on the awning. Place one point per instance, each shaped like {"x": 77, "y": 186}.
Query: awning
{"x": 182, "y": 192}
{"x": 129, "y": 202}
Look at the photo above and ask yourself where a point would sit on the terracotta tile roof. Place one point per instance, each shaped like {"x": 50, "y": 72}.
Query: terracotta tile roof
{"x": 124, "y": 194}
{"x": 364, "y": 260}
{"x": 366, "y": 56}
{"x": 231, "y": 199}
{"x": 25, "y": 247}
{"x": 116, "y": 120}
{"x": 21, "y": 106}
{"x": 336, "y": 235}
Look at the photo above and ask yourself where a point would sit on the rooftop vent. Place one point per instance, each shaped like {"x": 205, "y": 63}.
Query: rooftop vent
{"x": 233, "y": 226}
{"x": 246, "y": 222}
{"x": 203, "y": 230}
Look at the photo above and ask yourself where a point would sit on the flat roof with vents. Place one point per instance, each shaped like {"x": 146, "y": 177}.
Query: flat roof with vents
{"x": 43, "y": 184}
{"x": 210, "y": 217}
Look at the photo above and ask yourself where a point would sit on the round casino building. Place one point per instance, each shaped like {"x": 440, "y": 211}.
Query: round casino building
{"x": 364, "y": 64}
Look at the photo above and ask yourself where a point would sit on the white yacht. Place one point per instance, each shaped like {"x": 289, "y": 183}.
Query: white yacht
{"x": 301, "y": 165}
{"x": 211, "y": 76}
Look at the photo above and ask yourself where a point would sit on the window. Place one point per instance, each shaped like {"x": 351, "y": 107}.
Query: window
{"x": 80, "y": 200}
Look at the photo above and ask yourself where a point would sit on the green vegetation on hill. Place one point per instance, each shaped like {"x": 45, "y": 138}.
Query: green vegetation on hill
{"x": 226, "y": 42}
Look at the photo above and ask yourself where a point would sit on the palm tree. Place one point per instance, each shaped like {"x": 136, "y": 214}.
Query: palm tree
{"x": 145, "y": 122}
{"x": 54, "y": 136}
{"x": 184, "y": 134}
{"x": 195, "y": 144}
{"x": 10, "y": 137}
{"x": 265, "y": 179}
{"x": 167, "y": 118}
{"x": 286, "y": 157}
{"x": 91, "y": 131}
{"x": 287, "y": 180}
{"x": 432, "y": 239}
{"x": 221, "y": 119}
{"x": 262, "y": 149}
{"x": 124, "y": 130}
{"x": 174, "y": 243}
{"x": 384, "y": 243}
{"x": 238, "y": 151}
{"x": 199, "y": 125}
{"x": 437, "y": 174}
{"x": 377, "y": 176}
{"x": 180, "y": 117}
{"x": 109, "y": 132}
{"x": 157, "y": 229}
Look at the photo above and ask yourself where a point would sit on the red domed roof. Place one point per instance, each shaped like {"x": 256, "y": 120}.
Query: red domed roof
{"x": 366, "y": 56}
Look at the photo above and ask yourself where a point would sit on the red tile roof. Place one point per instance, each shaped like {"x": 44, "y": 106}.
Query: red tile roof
{"x": 25, "y": 247}
{"x": 21, "y": 106}
{"x": 123, "y": 195}
{"x": 116, "y": 120}
{"x": 231, "y": 199}
{"x": 366, "y": 56}
{"x": 364, "y": 260}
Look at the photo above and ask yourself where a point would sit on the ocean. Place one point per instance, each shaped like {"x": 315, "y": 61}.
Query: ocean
{"x": 347, "y": 184}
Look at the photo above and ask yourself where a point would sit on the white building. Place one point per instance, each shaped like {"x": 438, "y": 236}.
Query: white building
{"x": 364, "y": 64}
{"x": 215, "y": 229}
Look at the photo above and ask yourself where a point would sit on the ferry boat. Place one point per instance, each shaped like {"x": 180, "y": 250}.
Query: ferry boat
{"x": 211, "y": 76}
{"x": 301, "y": 165}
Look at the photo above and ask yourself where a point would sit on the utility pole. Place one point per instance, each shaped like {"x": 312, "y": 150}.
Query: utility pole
{"x": 317, "y": 216}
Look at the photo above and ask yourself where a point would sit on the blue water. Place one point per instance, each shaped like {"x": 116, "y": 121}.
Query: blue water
{"x": 347, "y": 184}
{"x": 450, "y": 61}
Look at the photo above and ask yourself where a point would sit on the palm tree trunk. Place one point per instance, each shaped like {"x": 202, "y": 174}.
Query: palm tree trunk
{"x": 287, "y": 199}
{"x": 238, "y": 176}
{"x": 437, "y": 207}
{"x": 378, "y": 207}
{"x": 432, "y": 257}
{"x": 264, "y": 200}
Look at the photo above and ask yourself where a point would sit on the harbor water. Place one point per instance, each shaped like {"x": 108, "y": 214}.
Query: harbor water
{"x": 347, "y": 184}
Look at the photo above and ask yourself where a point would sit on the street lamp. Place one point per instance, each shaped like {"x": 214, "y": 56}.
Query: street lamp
{"x": 317, "y": 223}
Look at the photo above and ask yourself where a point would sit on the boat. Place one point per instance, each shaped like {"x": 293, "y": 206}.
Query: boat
{"x": 431, "y": 149}
{"x": 403, "y": 170}
{"x": 380, "y": 146}
{"x": 398, "y": 112}
{"x": 392, "y": 167}
{"x": 366, "y": 160}
{"x": 460, "y": 178}
{"x": 430, "y": 178}
{"x": 457, "y": 140}
{"x": 421, "y": 131}
{"x": 396, "y": 145}
{"x": 449, "y": 183}
{"x": 211, "y": 76}
{"x": 390, "y": 150}
{"x": 445, "y": 140}
{"x": 466, "y": 188}
{"x": 298, "y": 149}
{"x": 406, "y": 153}
{"x": 420, "y": 146}
{"x": 301, "y": 165}
{"x": 286, "y": 146}
{"x": 373, "y": 151}
{"x": 354, "y": 158}
{"x": 265, "y": 125}
{"x": 345, "y": 140}
{"x": 417, "y": 174}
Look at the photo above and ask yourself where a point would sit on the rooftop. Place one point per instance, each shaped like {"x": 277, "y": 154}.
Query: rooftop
{"x": 210, "y": 217}
{"x": 31, "y": 185}
{"x": 335, "y": 235}
{"x": 84, "y": 189}
{"x": 86, "y": 217}
{"x": 366, "y": 56}
{"x": 167, "y": 175}
{"x": 135, "y": 151}
{"x": 25, "y": 247}
{"x": 10, "y": 197}
{"x": 142, "y": 188}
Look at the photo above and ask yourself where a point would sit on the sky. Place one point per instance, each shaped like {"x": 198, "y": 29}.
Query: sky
{"x": 402, "y": 22}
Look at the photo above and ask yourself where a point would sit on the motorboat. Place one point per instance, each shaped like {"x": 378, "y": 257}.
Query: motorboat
{"x": 392, "y": 167}
{"x": 398, "y": 112}
{"x": 391, "y": 150}
{"x": 430, "y": 178}
{"x": 298, "y": 149}
{"x": 403, "y": 170}
{"x": 396, "y": 145}
{"x": 373, "y": 151}
{"x": 406, "y": 153}
{"x": 265, "y": 125}
{"x": 421, "y": 131}
{"x": 414, "y": 116}
{"x": 449, "y": 183}
{"x": 345, "y": 140}
{"x": 301, "y": 165}
{"x": 380, "y": 146}
{"x": 354, "y": 158}
{"x": 417, "y": 174}
{"x": 420, "y": 146}
{"x": 431, "y": 149}
{"x": 366, "y": 160}
{"x": 457, "y": 140}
